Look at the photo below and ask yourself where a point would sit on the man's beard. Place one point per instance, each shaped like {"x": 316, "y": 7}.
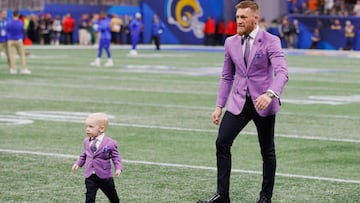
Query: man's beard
{"x": 239, "y": 31}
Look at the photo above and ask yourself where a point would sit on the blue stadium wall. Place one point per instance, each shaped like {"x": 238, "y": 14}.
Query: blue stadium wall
{"x": 181, "y": 30}
{"x": 183, "y": 19}
{"x": 176, "y": 15}
{"x": 330, "y": 39}
{"x": 77, "y": 10}
{"x": 177, "y": 29}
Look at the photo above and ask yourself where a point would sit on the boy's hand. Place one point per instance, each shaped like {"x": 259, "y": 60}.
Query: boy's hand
{"x": 118, "y": 172}
{"x": 74, "y": 167}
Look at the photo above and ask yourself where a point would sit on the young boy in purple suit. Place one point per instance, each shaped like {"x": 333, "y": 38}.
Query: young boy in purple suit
{"x": 99, "y": 149}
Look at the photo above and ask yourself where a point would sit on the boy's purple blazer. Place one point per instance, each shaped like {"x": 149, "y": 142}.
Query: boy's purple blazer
{"x": 266, "y": 69}
{"x": 100, "y": 160}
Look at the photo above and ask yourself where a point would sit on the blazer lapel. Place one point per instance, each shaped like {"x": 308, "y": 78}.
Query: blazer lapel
{"x": 237, "y": 50}
{"x": 101, "y": 146}
{"x": 256, "y": 44}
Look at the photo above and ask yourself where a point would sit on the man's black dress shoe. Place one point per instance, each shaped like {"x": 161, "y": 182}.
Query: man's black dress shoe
{"x": 263, "y": 199}
{"x": 216, "y": 199}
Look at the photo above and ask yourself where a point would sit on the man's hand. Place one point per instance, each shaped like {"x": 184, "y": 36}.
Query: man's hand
{"x": 215, "y": 116}
{"x": 262, "y": 102}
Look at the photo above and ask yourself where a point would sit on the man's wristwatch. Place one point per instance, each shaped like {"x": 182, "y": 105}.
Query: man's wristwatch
{"x": 270, "y": 94}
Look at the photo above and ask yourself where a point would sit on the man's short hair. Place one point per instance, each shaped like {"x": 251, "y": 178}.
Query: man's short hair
{"x": 249, "y": 4}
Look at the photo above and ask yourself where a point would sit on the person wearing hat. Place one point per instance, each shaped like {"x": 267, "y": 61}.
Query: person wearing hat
{"x": 136, "y": 27}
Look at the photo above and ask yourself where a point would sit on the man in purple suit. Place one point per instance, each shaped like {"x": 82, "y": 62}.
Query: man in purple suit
{"x": 98, "y": 150}
{"x": 254, "y": 75}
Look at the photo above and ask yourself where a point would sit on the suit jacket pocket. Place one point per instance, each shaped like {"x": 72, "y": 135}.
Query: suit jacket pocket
{"x": 260, "y": 59}
{"x": 259, "y": 55}
{"x": 107, "y": 165}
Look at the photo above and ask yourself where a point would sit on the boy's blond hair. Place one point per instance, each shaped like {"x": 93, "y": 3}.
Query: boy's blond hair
{"x": 101, "y": 118}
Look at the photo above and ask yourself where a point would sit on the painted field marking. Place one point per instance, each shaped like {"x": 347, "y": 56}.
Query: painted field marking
{"x": 110, "y": 102}
{"x": 79, "y": 117}
{"x": 325, "y": 99}
{"x": 339, "y": 180}
{"x": 14, "y": 121}
{"x": 175, "y": 106}
{"x": 175, "y": 81}
{"x": 116, "y": 88}
{"x": 243, "y": 133}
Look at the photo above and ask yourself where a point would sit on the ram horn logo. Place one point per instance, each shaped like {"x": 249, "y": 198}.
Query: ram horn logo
{"x": 185, "y": 15}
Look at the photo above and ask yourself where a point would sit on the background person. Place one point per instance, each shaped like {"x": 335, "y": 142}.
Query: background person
{"x": 116, "y": 25}
{"x": 68, "y": 29}
{"x": 56, "y": 31}
{"x": 45, "y": 26}
{"x": 209, "y": 31}
{"x": 3, "y": 35}
{"x": 94, "y": 29}
{"x": 33, "y": 29}
{"x": 315, "y": 38}
{"x": 105, "y": 40}
{"x": 356, "y": 9}
{"x": 15, "y": 35}
{"x": 250, "y": 86}
{"x": 135, "y": 27}
{"x": 349, "y": 35}
{"x": 157, "y": 29}
{"x": 83, "y": 29}
{"x": 220, "y": 33}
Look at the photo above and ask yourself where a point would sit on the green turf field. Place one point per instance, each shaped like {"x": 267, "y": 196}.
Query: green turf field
{"x": 160, "y": 103}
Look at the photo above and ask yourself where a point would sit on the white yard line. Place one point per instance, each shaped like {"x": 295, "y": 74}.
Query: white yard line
{"x": 339, "y": 180}
{"x": 243, "y": 133}
{"x": 112, "y": 88}
{"x": 188, "y": 71}
{"x": 115, "y": 102}
{"x": 175, "y": 106}
{"x": 174, "y": 82}
{"x": 325, "y": 99}
{"x": 325, "y": 80}
{"x": 28, "y": 117}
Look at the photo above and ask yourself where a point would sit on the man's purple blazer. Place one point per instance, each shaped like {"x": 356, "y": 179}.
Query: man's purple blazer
{"x": 100, "y": 160}
{"x": 266, "y": 69}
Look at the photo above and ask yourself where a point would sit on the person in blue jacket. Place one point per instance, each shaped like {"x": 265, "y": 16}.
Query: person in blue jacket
{"x": 15, "y": 36}
{"x": 105, "y": 40}
{"x": 157, "y": 29}
{"x": 3, "y": 37}
{"x": 136, "y": 27}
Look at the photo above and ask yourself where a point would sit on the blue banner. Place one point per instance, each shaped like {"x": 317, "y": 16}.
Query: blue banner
{"x": 183, "y": 19}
